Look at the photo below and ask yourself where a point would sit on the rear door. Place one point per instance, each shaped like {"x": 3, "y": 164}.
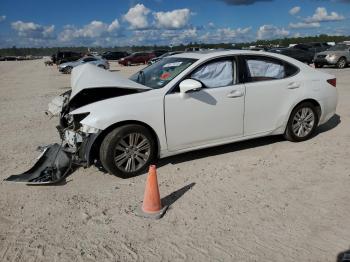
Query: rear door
{"x": 271, "y": 89}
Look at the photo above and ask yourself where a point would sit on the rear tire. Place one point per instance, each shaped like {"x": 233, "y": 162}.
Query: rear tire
{"x": 128, "y": 151}
{"x": 318, "y": 65}
{"x": 102, "y": 66}
{"x": 341, "y": 63}
{"x": 302, "y": 122}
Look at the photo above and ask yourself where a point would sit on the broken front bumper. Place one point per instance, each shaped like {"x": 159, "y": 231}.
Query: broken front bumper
{"x": 58, "y": 161}
{"x": 53, "y": 166}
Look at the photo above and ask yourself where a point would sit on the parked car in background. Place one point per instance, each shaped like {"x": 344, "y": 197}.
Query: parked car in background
{"x": 156, "y": 59}
{"x": 338, "y": 55}
{"x": 298, "y": 54}
{"x": 65, "y": 56}
{"x": 137, "y": 58}
{"x": 114, "y": 55}
{"x": 313, "y": 47}
{"x": 97, "y": 61}
{"x": 158, "y": 53}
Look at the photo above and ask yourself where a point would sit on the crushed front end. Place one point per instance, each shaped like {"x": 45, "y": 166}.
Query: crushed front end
{"x": 57, "y": 161}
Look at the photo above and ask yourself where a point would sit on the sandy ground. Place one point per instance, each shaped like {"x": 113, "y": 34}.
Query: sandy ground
{"x": 261, "y": 200}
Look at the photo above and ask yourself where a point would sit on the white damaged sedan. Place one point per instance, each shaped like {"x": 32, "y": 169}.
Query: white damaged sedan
{"x": 187, "y": 102}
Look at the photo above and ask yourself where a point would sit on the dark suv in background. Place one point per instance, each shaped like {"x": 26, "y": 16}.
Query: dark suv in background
{"x": 298, "y": 54}
{"x": 111, "y": 55}
{"x": 65, "y": 56}
{"x": 313, "y": 47}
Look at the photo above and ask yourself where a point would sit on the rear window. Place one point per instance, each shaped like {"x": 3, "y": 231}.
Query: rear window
{"x": 266, "y": 68}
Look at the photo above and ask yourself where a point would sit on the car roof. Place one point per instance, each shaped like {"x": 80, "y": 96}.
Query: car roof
{"x": 215, "y": 53}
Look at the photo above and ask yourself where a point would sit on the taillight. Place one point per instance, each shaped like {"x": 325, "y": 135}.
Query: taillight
{"x": 332, "y": 81}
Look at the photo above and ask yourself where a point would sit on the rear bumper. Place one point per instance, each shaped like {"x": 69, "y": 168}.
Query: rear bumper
{"x": 329, "y": 107}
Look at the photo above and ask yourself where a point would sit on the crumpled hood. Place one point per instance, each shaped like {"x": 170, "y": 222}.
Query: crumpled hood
{"x": 90, "y": 76}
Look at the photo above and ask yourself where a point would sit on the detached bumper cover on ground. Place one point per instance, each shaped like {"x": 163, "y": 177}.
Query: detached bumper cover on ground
{"x": 53, "y": 166}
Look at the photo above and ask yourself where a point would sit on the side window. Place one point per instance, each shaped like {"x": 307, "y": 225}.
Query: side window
{"x": 89, "y": 59}
{"x": 215, "y": 74}
{"x": 261, "y": 69}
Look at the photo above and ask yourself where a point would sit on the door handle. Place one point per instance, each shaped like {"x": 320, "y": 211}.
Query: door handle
{"x": 236, "y": 93}
{"x": 293, "y": 85}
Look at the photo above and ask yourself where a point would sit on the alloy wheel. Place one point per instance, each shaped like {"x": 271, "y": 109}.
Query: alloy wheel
{"x": 132, "y": 152}
{"x": 303, "y": 122}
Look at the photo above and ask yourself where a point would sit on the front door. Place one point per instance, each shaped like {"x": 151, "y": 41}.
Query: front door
{"x": 210, "y": 115}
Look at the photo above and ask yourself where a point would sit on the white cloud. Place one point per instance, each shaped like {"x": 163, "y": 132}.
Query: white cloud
{"x": 175, "y": 19}
{"x": 321, "y": 15}
{"x": 302, "y": 25}
{"x": 32, "y": 30}
{"x": 271, "y": 31}
{"x": 295, "y": 10}
{"x": 137, "y": 17}
{"x": 211, "y": 25}
{"x": 113, "y": 26}
{"x": 94, "y": 30}
{"x": 2, "y": 18}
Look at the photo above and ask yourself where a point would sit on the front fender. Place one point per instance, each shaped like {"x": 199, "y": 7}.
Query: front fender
{"x": 144, "y": 107}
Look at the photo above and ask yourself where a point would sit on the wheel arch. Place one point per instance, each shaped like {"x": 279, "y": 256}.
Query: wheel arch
{"x": 310, "y": 100}
{"x": 94, "y": 152}
{"x": 343, "y": 57}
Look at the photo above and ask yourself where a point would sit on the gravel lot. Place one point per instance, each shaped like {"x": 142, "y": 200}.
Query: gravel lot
{"x": 260, "y": 200}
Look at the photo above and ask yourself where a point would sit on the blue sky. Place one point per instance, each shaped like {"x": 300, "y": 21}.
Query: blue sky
{"x": 112, "y": 22}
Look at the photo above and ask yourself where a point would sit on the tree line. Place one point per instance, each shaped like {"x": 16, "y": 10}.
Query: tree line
{"x": 47, "y": 51}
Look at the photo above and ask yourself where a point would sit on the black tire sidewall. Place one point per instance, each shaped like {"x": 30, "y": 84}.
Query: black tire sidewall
{"x": 111, "y": 141}
{"x": 289, "y": 134}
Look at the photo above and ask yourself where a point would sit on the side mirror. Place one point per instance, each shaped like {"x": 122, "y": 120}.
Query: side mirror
{"x": 190, "y": 85}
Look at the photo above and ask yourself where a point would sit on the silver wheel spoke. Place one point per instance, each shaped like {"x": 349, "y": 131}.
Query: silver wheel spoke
{"x": 123, "y": 143}
{"x": 120, "y": 159}
{"x": 120, "y": 148}
{"x": 309, "y": 117}
{"x": 143, "y": 156}
{"x": 143, "y": 142}
{"x": 303, "y": 122}
{"x": 144, "y": 147}
{"x": 133, "y": 166}
{"x": 128, "y": 165}
{"x": 132, "y": 152}
{"x": 296, "y": 127}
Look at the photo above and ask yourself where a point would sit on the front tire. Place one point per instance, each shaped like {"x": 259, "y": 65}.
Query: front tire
{"x": 128, "y": 151}
{"x": 302, "y": 122}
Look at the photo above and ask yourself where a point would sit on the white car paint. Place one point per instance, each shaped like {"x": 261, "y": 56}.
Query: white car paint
{"x": 208, "y": 117}
{"x": 89, "y": 76}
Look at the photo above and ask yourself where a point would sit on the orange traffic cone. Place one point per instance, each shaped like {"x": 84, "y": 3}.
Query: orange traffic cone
{"x": 152, "y": 206}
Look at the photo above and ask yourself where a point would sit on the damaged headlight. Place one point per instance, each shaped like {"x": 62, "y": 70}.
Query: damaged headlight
{"x": 83, "y": 128}
{"x": 88, "y": 129}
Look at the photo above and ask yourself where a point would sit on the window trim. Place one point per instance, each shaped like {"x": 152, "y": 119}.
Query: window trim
{"x": 246, "y": 69}
{"x": 187, "y": 76}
